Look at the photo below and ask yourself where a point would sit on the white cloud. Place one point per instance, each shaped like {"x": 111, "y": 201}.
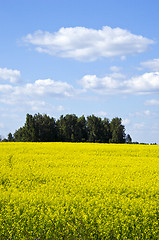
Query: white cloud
{"x": 143, "y": 114}
{"x": 126, "y": 121}
{"x": 101, "y": 113}
{"x": 30, "y": 93}
{"x": 36, "y": 105}
{"x": 152, "y": 102}
{"x": 37, "y": 96}
{"x": 1, "y": 125}
{"x": 85, "y": 44}
{"x": 147, "y": 112}
{"x": 115, "y": 69}
{"x": 100, "y": 85}
{"x": 8, "y": 74}
{"x": 137, "y": 126}
{"x": 153, "y": 64}
{"x": 42, "y": 106}
{"x": 60, "y": 108}
{"x": 49, "y": 87}
{"x": 148, "y": 82}
{"x": 6, "y": 88}
{"x": 116, "y": 83}
{"x": 117, "y": 75}
{"x": 123, "y": 58}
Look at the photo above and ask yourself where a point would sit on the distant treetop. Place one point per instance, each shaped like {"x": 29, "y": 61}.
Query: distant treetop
{"x": 70, "y": 128}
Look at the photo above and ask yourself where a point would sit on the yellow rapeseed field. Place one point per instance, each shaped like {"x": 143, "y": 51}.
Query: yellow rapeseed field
{"x": 78, "y": 191}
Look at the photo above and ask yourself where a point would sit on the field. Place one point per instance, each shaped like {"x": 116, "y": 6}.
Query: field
{"x": 78, "y": 191}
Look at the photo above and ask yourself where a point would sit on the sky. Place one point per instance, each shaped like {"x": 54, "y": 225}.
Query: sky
{"x": 84, "y": 57}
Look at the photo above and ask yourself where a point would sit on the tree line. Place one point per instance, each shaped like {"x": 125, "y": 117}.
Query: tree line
{"x": 70, "y": 128}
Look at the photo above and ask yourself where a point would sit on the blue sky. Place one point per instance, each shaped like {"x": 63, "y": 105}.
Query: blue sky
{"x": 82, "y": 57}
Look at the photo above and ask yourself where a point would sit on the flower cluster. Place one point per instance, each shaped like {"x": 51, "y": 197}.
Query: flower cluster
{"x": 78, "y": 191}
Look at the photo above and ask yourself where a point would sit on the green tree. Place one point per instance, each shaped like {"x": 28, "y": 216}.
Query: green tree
{"x": 106, "y": 130}
{"x": 128, "y": 139}
{"x": 82, "y": 129}
{"x": 117, "y": 131}
{"x": 19, "y": 135}
{"x": 29, "y": 129}
{"x": 68, "y": 128}
{"x": 95, "y": 129}
{"x": 45, "y": 128}
{"x": 10, "y": 138}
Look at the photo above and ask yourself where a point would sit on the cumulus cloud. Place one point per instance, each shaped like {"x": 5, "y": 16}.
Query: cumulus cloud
{"x": 148, "y": 82}
{"x": 101, "y": 85}
{"x": 85, "y": 44}
{"x": 8, "y": 74}
{"x": 116, "y": 83}
{"x": 42, "y": 106}
{"x": 6, "y": 88}
{"x": 115, "y": 69}
{"x": 35, "y": 105}
{"x": 152, "y": 102}
{"x": 48, "y": 87}
{"x": 31, "y": 93}
{"x": 153, "y": 64}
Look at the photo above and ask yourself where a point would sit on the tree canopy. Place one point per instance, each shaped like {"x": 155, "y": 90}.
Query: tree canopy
{"x": 70, "y": 128}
